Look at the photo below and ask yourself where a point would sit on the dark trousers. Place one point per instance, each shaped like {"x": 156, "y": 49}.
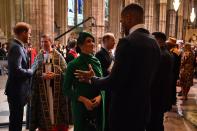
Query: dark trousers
{"x": 16, "y": 115}
{"x": 121, "y": 124}
{"x": 174, "y": 92}
{"x": 156, "y": 122}
{"x": 107, "y": 110}
{"x": 128, "y": 128}
{"x": 28, "y": 115}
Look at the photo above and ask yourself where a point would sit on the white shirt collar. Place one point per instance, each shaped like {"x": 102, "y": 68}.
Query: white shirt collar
{"x": 20, "y": 42}
{"x": 134, "y": 28}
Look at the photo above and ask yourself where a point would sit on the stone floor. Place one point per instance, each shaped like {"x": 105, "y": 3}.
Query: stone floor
{"x": 182, "y": 118}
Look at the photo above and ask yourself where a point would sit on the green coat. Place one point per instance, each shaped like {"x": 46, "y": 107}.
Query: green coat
{"x": 73, "y": 88}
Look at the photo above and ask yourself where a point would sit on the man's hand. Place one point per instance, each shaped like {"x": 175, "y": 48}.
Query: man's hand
{"x": 85, "y": 76}
{"x": 96, "y": 101}
{"x": 48, "y": 75}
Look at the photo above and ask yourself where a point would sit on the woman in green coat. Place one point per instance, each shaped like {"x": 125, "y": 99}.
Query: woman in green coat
{"x": 87, "y": 102}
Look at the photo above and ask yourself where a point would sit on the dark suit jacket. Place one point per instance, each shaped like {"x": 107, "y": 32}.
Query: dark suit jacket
{"x": 136, "y": 61}
{"x": 161, "y": 92}
{"x": 105, "y": 59}
{"x": 18, "y": 83}
{"x": 2, "y": 54}
{"x": 176, "y": 65}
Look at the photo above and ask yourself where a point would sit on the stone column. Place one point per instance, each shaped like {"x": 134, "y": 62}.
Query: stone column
{"x": 64, "y": 20}
{"x": 171, "y": 23}
{"x": 185, "y": 18}
{"x": 141, "y": 3}
{"x": 40, "y": 15}
{"x": 87, "y": 12}
{"x": 12, "y": 21}
{"x": 57, "y": 12}
{"x": 96, "y": 9}
{"x": 35, "y": 22}
{"x": 115, "y": 7}
{"x": 126, "y": 2}
{"x": 162, "y": 15}
{"x": 2, "y": 21}
{"x": 17, "y": 10}
{"x": 61, "y": 18}
{"x": 130, "y": 1}
{"x": 27, "y": 11}
{"x": 48, "y": 16}
{"x": 7, "y": 19}
{"x": 149, "y": 4}
{"x": 3, "y": 16}
{"x": 10, "y": 18}
{"x": 155, "y": 26}
{"x": 180, "y": 22}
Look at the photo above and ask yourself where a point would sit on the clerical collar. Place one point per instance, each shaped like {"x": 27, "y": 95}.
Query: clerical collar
{"x": 22, "y": 43}
{"x": 48, "y": 52}
{"x": 134, "y": 28}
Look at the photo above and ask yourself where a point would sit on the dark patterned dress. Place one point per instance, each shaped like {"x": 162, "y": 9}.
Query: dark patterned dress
{"x": 187, "y": 69}
{"x": 49, "y": 108}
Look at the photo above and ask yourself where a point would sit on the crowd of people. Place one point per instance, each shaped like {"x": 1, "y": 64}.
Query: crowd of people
{"x": 97, "y": 91}
{"x": 3, "y": 51}
{"x": 3, "y": 58}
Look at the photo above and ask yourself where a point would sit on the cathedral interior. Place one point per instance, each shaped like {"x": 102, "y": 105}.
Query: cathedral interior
{"x": 58, "y": 16}
{"x": 64, "y": 19}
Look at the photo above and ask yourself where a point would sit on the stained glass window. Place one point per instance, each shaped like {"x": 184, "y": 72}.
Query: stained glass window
{"x": 72, "y": 11}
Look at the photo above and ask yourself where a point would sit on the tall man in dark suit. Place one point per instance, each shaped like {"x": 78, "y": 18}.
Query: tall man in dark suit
{"x": 19, "y": 74}
{"x": 161, "y": 91}
{"x": 137, "y": 59}
{"x": 106, "y": 58}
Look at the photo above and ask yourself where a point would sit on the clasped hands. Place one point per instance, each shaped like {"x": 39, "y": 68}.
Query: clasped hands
{"x": 90, "y": 104}
{"x": 48, "y": 75}
{"x": 85, "y": 76}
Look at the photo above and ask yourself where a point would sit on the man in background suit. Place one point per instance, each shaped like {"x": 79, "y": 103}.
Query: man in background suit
{"x": 105, "y": 53}
{"x": 136, "y": 62}
{"x": 19, "y": 74}
{"x": 161, "y": 91}
{"x": 106, "y": 58}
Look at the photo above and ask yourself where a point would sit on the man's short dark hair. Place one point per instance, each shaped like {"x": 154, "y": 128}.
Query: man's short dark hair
{"x": 135, "y": 9}
{"x": 159, "y": 35}
{"x": 72, "y": 43}
{"x": 21, "y": 27}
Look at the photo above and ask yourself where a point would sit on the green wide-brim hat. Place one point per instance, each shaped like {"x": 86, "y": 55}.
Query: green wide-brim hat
{"x": 82, "y": 36}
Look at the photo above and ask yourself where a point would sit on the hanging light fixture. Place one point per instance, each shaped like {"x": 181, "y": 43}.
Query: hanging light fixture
{"x": 192, "y": 15}
{"x": 176, "y": 4}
